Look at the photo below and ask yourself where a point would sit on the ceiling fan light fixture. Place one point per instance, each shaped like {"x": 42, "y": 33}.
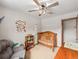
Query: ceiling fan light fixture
{"x": 42, "y": 12}
{"x": 44, "y": 6}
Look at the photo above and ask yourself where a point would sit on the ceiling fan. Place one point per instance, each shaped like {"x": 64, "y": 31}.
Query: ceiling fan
{"x": 43, "y": 8}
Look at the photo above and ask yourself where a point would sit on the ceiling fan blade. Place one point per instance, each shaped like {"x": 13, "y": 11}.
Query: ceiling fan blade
{"x": 2, "y": 18}
{"x": 32, "y": 10}
{"x": 37, "y": 2}
{"x": 52, "y": 5}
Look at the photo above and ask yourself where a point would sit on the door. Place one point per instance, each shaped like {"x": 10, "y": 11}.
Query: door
{"x": 69, "y": 30}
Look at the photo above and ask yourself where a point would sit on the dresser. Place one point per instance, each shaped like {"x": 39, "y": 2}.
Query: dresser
{"x": 66, "y": 53}
{"x": 48, "y": 39}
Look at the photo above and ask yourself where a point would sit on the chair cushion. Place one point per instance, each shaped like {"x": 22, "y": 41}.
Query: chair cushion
{"x": 4, "y": 44}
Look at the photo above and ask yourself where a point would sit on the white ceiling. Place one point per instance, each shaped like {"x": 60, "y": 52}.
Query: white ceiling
{"x": 65, "y": 6}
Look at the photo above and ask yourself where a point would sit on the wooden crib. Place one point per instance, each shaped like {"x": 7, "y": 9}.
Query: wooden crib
{"x": 48, "y": 39}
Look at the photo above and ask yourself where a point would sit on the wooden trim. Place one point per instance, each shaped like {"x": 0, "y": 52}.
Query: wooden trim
{"x": 77, "y": 29}
{"x": 63, "y": 31}
{"x": 70, "y": 19}
{"x": 46, "y": 32}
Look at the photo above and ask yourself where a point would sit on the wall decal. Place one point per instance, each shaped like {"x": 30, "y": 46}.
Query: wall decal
{"x": 21, "y": 26}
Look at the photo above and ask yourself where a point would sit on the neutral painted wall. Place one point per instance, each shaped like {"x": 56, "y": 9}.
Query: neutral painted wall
{"x": 8, "y": 26}
{"x": 54, "y": 24}
{"x": 33, "y": 25}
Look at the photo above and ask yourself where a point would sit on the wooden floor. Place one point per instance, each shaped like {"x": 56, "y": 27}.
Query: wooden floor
{"x": 65, "y": 53}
